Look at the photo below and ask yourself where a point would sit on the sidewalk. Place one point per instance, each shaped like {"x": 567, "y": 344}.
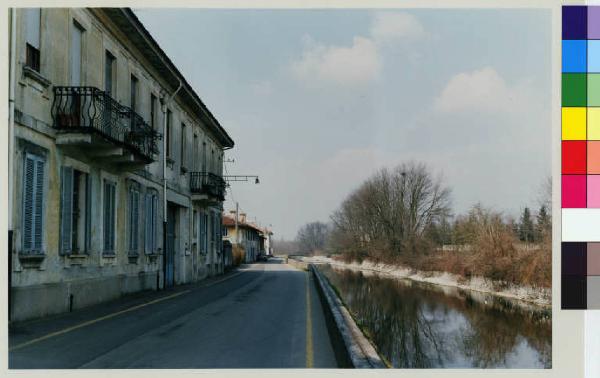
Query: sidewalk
{"x": 21, "y": 332}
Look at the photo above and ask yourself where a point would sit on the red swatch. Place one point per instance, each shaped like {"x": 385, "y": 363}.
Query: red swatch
{"x": 574, "y": 157}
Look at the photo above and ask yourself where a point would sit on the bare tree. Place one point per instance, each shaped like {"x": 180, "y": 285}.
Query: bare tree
{"x": 285, "y": 247}
{"x": 389, "y": 213}
{"x": 312, "y": 237}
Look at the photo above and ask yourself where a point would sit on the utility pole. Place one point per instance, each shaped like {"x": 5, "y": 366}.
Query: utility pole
{"x": 237, "y": 235}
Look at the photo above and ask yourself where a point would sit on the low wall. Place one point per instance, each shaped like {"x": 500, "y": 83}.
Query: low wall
{"x": 36, "y": 301}
{"x": 296, "y": 263}
{"x": 351, "y": 346}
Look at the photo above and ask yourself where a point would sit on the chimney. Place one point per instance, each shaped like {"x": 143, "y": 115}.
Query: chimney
{"x": 242, "y": 217}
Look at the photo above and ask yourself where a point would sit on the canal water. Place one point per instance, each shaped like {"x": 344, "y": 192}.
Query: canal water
{"x": 418, "y": 325}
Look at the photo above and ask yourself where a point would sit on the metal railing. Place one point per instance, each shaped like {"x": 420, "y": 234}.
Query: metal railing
{"x": 88, "y": 109}
{"x": 208, "y": 183}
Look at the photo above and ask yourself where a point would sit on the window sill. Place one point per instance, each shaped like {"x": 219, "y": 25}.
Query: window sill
{"x": 33, "y": 74}
{"x": 133, "y": 258}
{"x": 109, "y": 255}
{"x": 31, "y": 260}
{"x": 153, "y": 256}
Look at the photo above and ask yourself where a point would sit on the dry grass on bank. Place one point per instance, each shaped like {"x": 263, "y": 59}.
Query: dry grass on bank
{"x": 503, "y": 261}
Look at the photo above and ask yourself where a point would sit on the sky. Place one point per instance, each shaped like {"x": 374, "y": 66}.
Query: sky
{"x": 318, "y": 100}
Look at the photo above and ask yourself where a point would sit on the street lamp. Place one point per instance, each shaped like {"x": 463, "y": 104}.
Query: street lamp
{"x": 230, "y": 178}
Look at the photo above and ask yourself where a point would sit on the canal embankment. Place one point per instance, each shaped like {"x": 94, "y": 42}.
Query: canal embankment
{"x": 352, "y": 348}
{"x": 522, "y": 295}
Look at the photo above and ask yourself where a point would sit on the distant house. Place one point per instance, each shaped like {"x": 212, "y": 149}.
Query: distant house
{"x": 247, "y": 235}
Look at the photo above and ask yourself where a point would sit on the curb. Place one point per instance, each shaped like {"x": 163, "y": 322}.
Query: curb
{"x": 352, "y": 348}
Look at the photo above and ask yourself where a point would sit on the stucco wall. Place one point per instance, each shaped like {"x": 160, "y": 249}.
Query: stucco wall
{"x": 96, "y": 277}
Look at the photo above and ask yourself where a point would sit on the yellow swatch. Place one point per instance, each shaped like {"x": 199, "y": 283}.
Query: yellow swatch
{"x": 574, "y": 123}
{"x": 593, "y": 120}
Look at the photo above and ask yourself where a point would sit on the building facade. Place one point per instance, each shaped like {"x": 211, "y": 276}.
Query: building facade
{"x": 116, "y": 164}
{"x": 246, "y": 234}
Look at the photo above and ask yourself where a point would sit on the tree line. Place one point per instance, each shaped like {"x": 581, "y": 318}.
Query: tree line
{"x": 403, "y": 215}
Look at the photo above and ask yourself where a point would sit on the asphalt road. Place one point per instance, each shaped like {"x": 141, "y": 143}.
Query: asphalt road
{"x": 266, "y": 315}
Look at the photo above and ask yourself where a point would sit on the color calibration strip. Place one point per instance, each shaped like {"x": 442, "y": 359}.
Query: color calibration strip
{"x": 580, "y": 257}
{"x": 580, "y": 287}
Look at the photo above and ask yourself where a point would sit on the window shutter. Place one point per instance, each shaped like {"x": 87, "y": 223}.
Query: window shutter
{"x": 130, "y": 219}
{"x": 147, "y": 223}
{"x": 111, "y": 219}
{"x": 39, "y": 206}
{"x": 154, "y": 220}
{"x": 106, "y": 212}
{"x": 136, "y": 220}
{"x": 28, "y": 193}
{"x": 88, "y": 213}
{"x": 66, "y": 210}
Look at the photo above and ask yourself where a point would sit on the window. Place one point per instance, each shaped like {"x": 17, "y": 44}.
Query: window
{"x": 110, "y": 189}
{"x": 109, "y": 63}
{"x": 203, "y": 156}
{"x": 134, "y": 220}
{"x": 195, "y": 153}
{"x": 151, "y": 212}
{"x": 33, "y": 203}
{"x": 76, "y": 54}
{"x": 212, "y": 161}
{"x": 134, "y": 90}
{"x": 152, "y": 111}
{"x": 32, "y": 38}
{"x": 183, "y": 144}
{"x": 195, "y": 225}
{"x": 224, "y": 231}
{"x": 203, "y": 232}
{"x": 75, "y": 212}
{"x": 168, "y": 132}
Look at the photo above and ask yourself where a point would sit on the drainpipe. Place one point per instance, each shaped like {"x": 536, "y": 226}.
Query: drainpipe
{"x": 164, "y": 259}
{"x": 11, "y": 145}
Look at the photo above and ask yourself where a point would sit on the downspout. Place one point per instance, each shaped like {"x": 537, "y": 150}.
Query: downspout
{"x": 165, "y": 105}
{"x": 11, "y": 145}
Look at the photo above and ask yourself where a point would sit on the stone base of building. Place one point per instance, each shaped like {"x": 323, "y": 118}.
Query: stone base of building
{"x": 30, "y": 302}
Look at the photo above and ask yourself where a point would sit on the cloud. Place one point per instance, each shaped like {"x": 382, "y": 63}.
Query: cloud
{"x": 357, "y": 64}
{"x": 360, "y": 63}
{"x": 483, "y": 90}
{"x": 394, "y": 26}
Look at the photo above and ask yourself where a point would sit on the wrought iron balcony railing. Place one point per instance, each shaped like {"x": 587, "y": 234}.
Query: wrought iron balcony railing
{"x": 90, "y": 110}
{"x": 207, "y": 183}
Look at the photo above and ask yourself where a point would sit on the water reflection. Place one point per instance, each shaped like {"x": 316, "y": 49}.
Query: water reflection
{"x": 418, "y": 325}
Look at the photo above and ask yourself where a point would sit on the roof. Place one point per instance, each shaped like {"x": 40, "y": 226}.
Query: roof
{"x": 229, "y": 221}
{"x": 126, "y": 20}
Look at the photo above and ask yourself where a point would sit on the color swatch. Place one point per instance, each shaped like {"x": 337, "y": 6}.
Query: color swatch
{"x": 580, "y": 106}
{"x": 580, "y": 283}
{"x": 580, "y": 156}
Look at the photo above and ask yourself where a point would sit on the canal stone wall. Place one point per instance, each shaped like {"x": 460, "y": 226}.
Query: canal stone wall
{"x": 351, "y": 346}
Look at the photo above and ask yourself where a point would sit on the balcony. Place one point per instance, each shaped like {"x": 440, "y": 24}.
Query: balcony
{"x": 207, "y": 186}
{"x": 92, "y": 123}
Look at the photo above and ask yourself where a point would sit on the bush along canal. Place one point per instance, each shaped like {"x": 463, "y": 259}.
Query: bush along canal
{"x": 418, "y": 325}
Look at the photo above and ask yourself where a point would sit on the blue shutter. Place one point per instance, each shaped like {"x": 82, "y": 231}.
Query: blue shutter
{"x": 130, "y": 219}
{"x": 154, "y": 221}
{"x": 147, "y": 222}
{"x": 66, "y": 210}
{"x": 105, "y": 212}
{"x": 88, "y": 213}
{"x": 33, "y": 203}
{"x": 28, "y": 201}
{"x": 39, "y": 206}
{"x": 109, "y": 217}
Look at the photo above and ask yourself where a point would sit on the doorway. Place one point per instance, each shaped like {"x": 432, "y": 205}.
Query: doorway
{"x": 170, "y": 251}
